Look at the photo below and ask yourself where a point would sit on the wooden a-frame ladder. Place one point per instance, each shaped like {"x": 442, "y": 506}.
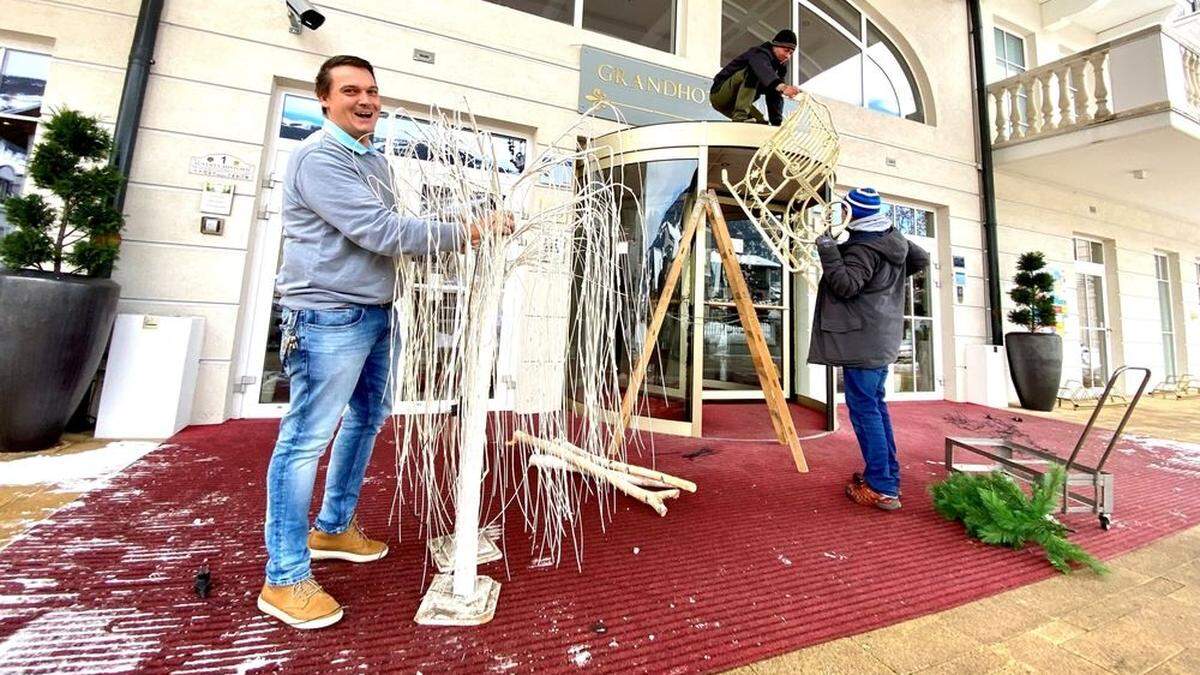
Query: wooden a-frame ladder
{"x": 708, "y": 209}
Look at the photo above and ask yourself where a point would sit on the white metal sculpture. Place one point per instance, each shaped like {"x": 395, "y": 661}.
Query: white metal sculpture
{"x": 467, "y": 446}
{"x": 782, "y": 189}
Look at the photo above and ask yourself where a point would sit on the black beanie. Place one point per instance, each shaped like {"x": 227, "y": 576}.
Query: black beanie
{"x": 785, "y": 38}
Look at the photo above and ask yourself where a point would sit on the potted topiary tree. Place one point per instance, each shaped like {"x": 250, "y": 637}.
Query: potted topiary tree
{"x": 56, "y": 309}
{"x": 1034, "y": 356}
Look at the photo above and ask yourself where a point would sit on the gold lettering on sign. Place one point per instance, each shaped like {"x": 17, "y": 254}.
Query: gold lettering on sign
{"x": 607, "y": 72}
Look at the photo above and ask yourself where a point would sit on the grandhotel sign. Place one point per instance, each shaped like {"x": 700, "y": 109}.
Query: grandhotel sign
{"x": 643, "y": 92}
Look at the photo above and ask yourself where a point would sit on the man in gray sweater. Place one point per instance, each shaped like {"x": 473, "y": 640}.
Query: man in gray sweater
{"x": 341, "y": 236}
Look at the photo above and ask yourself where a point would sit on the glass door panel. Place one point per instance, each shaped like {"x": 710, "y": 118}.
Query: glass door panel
{"x": 658, "y": 197}
{"x": 1093, "y": 327}
{"x": 915, "y": 367}
{"x": 728, "y": 366}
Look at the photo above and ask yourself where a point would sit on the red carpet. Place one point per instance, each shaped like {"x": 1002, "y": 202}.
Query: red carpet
{"x": 759, "y": 562}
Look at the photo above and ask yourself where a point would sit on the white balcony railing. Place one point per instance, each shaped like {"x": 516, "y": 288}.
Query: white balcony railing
{"x": 1146, "y": 72}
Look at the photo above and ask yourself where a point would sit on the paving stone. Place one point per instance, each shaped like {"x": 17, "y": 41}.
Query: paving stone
{"x": 1058, "y": 632}
{"x": 1187, "y": 661}
{"x": 1127, "y": 645}
{"x": 1177, "y": 621}
{"x": 1116, "y": 606}
{"x": 1187, "y": 574}
{"x": 1159, "y": 558}
{"x": 1062, "y": 595}
{"x": 917, "y": 644}
{"x": 838, "y": 656}
{"x": 979, "y": 660}
{"x": 1189, "y": 595}
{"x": 1030, "y": 653}
{"x": 993, "y": 619}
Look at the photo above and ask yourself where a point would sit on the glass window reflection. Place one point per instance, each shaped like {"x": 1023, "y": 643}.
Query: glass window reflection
{"x": 889, "y": 79}
{"x": 744, "y": 26}
{"x": 646, "y": 22}
{"x": 828, "y": 63}
{"x": 555, "y": 10}
{"x": 23, "y": 82}
{"x": 658, "y": 197}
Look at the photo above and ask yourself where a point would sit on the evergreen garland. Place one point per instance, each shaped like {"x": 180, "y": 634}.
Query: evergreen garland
{"x": 997, "y": 511}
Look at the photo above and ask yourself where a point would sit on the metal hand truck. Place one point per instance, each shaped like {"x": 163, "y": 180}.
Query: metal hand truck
{"x": 1030, "y": 464}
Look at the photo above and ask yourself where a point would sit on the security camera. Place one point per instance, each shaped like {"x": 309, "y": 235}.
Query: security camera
{"x": 303, "y": 12}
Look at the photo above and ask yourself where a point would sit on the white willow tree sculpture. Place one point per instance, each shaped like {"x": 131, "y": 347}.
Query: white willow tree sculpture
{"x": 463, "y": 454}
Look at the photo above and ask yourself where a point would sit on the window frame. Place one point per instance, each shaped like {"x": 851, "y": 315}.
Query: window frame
{"x": 1023, "y": 95}
{"x": 1008, "y": 64}
{"x": 860, "y": 41}
{"x": 35, "y": 119}
{"x": 1196, "y": 264}
{"x": 4, "y": 50}
{"x": 1165, "y": 286}
{"x": 577, "y": 23}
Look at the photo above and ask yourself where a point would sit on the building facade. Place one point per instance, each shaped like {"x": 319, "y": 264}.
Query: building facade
{"x": 1094, "y": 118}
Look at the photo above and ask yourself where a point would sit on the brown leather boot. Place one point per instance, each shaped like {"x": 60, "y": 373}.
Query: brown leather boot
{"x": 301, "y": 605}
{"x": 353, "y": 545}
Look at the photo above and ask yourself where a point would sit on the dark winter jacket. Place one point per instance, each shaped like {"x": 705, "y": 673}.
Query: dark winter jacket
{"x": 768, "y": 73}
{"x": 859, "y": 317}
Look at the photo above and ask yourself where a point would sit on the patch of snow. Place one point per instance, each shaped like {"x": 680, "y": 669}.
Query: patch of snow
{"x": 579, "y": 655}
{"x": 541, "y": 563}
{"x": 834, "y": 555}
{"x": 79, "y": 472}
{"x": 784, "y": 559}
{"x": 98, "y": 645}
{"x": 257, "y": 663}
{"x": 503, "y": 664}
{"x": 32, "y": 599}
{"x": 34, "y": 584}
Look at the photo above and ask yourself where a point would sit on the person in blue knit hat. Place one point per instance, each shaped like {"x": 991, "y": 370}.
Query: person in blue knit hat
{"x": 858, "y": 325}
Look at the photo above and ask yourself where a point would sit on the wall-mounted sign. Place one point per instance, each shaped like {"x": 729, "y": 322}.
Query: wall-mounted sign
{"x": 217, "y": 197}
{"x": 960, "y": 279}
{"x": 643, "y": 92}
{"x": 221, "y": 166}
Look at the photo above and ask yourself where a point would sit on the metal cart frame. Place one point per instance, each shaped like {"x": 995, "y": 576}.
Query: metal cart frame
{"x": 1004, "y": 455}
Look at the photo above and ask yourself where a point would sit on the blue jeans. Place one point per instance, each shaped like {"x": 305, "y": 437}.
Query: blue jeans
{"x": 334, "y": 358}
{"x": 869, "y": 415}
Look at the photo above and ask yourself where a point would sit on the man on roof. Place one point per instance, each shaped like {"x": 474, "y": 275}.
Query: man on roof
{"x": 760, "y": 70}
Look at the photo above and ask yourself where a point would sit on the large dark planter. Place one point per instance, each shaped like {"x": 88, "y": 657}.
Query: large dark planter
{"x": 53, "y": 330}
{"x": 1035, "y": 361}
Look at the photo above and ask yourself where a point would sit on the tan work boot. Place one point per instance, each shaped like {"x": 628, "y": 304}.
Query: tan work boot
{"x": 300, "y": 605}
{"x": 353, "y": 545}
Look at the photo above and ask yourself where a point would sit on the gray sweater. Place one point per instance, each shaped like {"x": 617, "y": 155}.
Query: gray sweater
{"x": 340, "y": 239}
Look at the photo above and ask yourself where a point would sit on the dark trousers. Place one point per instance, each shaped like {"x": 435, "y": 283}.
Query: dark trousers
{"x": 735, "y": 97}
{"x": 864, "y": 388}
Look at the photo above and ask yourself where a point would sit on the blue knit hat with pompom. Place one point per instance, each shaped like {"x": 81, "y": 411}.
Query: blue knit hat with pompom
{"x": 864, "y": 202}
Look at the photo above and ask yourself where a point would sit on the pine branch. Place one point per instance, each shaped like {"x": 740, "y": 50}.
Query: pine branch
{"x": 995, "y": 510}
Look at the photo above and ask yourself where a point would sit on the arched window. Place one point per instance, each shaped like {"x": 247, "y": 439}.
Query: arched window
{"x": 842, "y": 54}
